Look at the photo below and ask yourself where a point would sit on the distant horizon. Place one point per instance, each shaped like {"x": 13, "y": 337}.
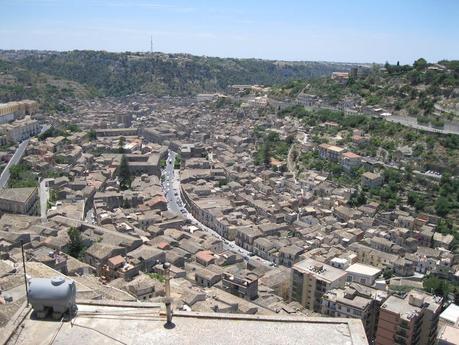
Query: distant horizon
{"x": 354, "y": 31}
{"x": 219, "y": 57}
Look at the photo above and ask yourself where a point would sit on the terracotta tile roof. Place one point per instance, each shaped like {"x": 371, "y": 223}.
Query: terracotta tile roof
{"x": 116, "y": 260}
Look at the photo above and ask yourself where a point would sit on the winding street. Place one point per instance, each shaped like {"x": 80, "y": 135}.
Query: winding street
{"x": 171, "y": 187}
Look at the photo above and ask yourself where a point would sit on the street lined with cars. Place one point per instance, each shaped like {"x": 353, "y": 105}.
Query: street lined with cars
{"x": 171, "y": 185}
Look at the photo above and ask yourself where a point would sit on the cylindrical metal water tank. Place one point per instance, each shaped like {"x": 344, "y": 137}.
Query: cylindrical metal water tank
{"x": 56, "y": 293}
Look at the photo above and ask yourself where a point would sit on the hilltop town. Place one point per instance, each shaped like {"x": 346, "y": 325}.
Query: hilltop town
{"x": 264, "y": 202}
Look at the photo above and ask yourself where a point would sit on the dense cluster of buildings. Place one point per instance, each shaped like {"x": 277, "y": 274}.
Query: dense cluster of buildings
{"x": 279, "y": 243}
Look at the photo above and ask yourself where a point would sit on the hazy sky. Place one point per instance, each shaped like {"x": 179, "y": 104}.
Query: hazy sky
{"x": 332, "y": 30}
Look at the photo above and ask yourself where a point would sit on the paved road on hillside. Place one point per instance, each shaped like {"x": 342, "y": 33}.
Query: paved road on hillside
{"x": 5, "y": 176}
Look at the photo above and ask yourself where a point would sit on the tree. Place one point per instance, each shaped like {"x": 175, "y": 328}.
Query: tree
{"x": 76, "y": 247}
{"x": 92, "y": 135}
{"x": 357, "y": 199}
{"x": 121, "y": 143}
{"x": 177, "y": 162}
{"x": 222, "y": 183}
{"x": 124, "y": 175}
{"x": 445, "y": 226}
{"x": 290, "y": 139}
{"x": 21, "y": 175}
{"x": 417, "y": 200}
{"x": 388, "y": 273}
{"x": 72, "y": 127}
{"x": 420, "y": 64}
{"x": 442, "y": 206}
{"x": 408, "y": 175}
{"x": 266, "y": 152}
{"x": 456, "y": 296}
{"x": 437, "y": 286}
{"x": 52, "y": 195}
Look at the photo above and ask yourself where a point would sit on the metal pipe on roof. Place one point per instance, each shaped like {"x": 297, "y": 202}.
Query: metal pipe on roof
{"x": 25, "y": 272}
{"x": 169, "y": 324}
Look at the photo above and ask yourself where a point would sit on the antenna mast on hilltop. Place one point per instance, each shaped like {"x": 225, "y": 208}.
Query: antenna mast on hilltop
{"x": 151, "y": 44}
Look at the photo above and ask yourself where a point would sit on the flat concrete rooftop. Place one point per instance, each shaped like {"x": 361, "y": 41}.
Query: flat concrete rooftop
{"x": 143, "y": 323}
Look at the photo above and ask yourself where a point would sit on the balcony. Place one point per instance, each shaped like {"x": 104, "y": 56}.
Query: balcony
{"x": 416, "y": 338}
{"x": 401, "y": 332}
{"x": 405, "y": 325}
{"x": 400, "y": 340}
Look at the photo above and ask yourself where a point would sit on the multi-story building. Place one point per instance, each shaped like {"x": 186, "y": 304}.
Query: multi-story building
{"x": 124, "y": 119}
{"x": 373, "y": 257}
{"x": 288, "y": 255}
{"x": 350, "y": 161}
{"x": 306, "y": 99}
{"x": 311, "y": 279}
{"x": 355, "y": 301}
{"x": 243, "y": 284}
{"x": 13, "y": 110}
{"x": 20, "y": 129}
{"x": 362, "y": 274}
{"x": 246, "y": 236}
{"x": 330, "y": 152}
{"x": 371, "y": 180}
{"x": 158, "y": 134}
{"x": 19, "y": 200}
{"x": 209, "y": 211}
{"x": 7, "y": 114}
{"x": 409, "y": 320}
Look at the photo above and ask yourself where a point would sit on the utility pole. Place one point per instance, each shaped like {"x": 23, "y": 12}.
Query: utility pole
{"x": 25, "y": 272}
{"x": 151, "y": 44}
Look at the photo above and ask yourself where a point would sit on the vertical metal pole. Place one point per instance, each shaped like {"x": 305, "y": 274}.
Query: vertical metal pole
{"x": 169, "y": 323}
{"x": 166, "y": 267}
{"x": 25, "y": 272}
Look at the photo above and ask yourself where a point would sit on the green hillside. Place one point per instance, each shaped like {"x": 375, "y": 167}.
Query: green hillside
{"x": 426, "y": 91}
{"x": 118, "y": 74}
{"x": 17, "y": 83}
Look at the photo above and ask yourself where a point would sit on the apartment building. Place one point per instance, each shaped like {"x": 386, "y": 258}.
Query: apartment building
{"x": 210, "y": 212}
{"x": 372, "y": 256}
{"x": 243, "y": 284}
{"x": 311, "y": 279}
{"x": 350, "y": 161}
{"x": 355, "y": 301}
{"x": 409, "y": 320}
{"x": 246, "y": 236}
{"x": 330, "y": 152}
{"x": 288, "y": 255}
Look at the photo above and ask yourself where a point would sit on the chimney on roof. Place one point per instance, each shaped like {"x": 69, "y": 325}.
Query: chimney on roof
{"x": 169, "y": 324}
